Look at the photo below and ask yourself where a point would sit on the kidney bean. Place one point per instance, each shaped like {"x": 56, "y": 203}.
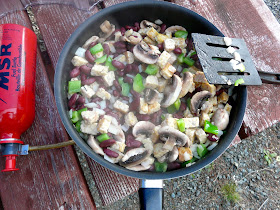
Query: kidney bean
{"x": 143, "y": 117}
{"x": 162, "y": 28}
{"x": 128, "y": 68}
{"x": 130, "y": 47}
{"x": 177, "y": 50}
{"x": 173, "y": 165}
{"x": 117, "y": 30}
{"x": 107, "y": 109}
{"x": 178, "y": 115}
{"x": 119, "y": 65}
{"x": 152, "y": 168}
{"x": 81, "y": 100}
{"x": 89, "y": 57}
{"x": 107, "y": 103}
{"x": 117, "y": 85}
{"x": 85, "y": 69}
{"x": 110, "y": 153}
{"x": 125, "y": 98}
{"x": 134, "y": 93}
{"x": 89, "y": 65}
{"x": 97, "y": 99}
{"x": 119, "y": 44}
{"x": 99, "y": 80}
{"x": 197, "y": 64}
{"x": 134, "y": 106}
{"x": 128, "y": 79}
{"x": 219, "y": 92}
{"x": 132, "y": 143}
{"x": 106, "y": 49}
{"x": 183, "y": 107}
{"x": 80, "y": 106}
{"x": 88, "y": 81}
{"x": 75, "y": 72}
{"x": 92, "y": 44}
{"x": 135, "y": 68}
{"x": 72, "y": 100}
{"x": 107, "y": 143}
{"x": 177, "y": 73}
{"x": 120, "y": 73}
{"x": 212, "y": 137}
{"x": 123, "y": 30}
{"x": 137, "y": 25}
{"x": 135, "y": 28}
{"x": 160, "y": 46}
{"x": 83, "y": 77}
{"x": 120, "y": 51}
{"x": 194, "y": 57}
{"x": 116, "y": 93}
{"x": 189, "y": 44}
{"x": 128, "y": 27}
{"x": 113, "y": 114}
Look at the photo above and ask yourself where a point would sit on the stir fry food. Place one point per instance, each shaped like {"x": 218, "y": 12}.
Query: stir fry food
{"x": 138, "y": 97}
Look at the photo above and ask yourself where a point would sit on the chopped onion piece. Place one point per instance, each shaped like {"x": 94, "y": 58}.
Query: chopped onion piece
{"x": 80, "y": 52}
{"x": 114, "y": 121}
{"x": 86, "y": 100}
{"x": 221, "y": 106}
{"x": 102, "y": 104}
{"x": 125, "y": 127}
{"x": 91, "y": 105}
{"x": 220, "y": 133}
{"x": 237, "y": 56}
{"x": 113, "y": 129}
{"x": 106, "y": 157}
{"x": 99, "y": 111}
{"x": 158, "y": 22}
{"x": 94, "y": 86}
{"x": 230, "y": 50}
{"x": 140, "y": 68}
{"x": 129, "y": 75}
{"x": 70, "y": 113}
{"x": 196, "y": 155}
{"x": 212, "y": 146}
{"x": 207, "y": 143}
{"x": 228, "y": 41}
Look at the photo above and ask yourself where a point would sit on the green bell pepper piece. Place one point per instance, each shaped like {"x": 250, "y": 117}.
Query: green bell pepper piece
{"x": 109, "y": 63}
{"x": 138, "y": 83}
{"x": 160, "y": 167}
{"x": 183, "y": 165}
{"x": 185, "y": 70}
{"x": 78, "y": 126}
{"x": 74, "y": 86}
{"x": 80, "y": 112}
{"x": 177, "y": 104}
{"x": 162, "y": 117}
{"x": 171, "y": 109}
{"x": 180, "y": 58}
{"x": 96, "y": 49}
{"x": 188, "y": 101}
{"x": 101, "y": 60}
{"x": 238, "y": 82}
{"x": 75, "y": 117}
{"x": 125, "y": 89}
{"x": 210, "y": 128}
{"x": 188, "y": 61}
{"x": 103, "y": 137}
{"x": 201, "y": 150}
{"x": 120, "y": 80}
{"x": 152, "y": 69}
{"x": 181, "y": 34}
{"x": 181, "y": 125}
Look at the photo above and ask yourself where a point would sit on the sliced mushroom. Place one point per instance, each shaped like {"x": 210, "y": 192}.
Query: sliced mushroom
{"x": 120, "y": 135}
{"x": 134, "y": 157}
{"x": 173, "y": 137}
{"x": 172, "y": 92}
{"x": 145, "y": 53}
{"x": 107, "y": 28}
{"x": 170, "y": 156}
{"x": 139, "y": 168}
{"x": 94, "y": 145}
{"x": 133, "y": 37}
{"x": 198, "y": 100}
{"x": 187, "y": 82}
{"x": 159, "y": 151}
{"x": 148, "y": 24}
{"x": 221, "y": 119}
{"x": 173, "y": 29}
{"x": 143, "y": 127}
{"x": 150, "y": 95}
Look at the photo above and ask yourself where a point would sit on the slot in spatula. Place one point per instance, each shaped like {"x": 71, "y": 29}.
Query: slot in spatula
{"x": 217, "y": 62}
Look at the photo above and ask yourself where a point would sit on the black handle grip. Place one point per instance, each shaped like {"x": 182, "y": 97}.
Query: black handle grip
{"x": 151, "y": 198}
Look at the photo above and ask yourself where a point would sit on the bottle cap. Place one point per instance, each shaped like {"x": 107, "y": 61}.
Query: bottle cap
{"x": 10, "y": 163}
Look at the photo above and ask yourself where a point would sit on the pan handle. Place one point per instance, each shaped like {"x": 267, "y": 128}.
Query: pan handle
{"x": 151, "y": 194}
{"x": 270, "y": 78}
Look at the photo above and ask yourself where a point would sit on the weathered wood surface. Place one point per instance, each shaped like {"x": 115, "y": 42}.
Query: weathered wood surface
{"x": 47, "y": 179}
{"x": 55, "y": 34}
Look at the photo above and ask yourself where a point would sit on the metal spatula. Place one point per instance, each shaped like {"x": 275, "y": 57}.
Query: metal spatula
{"x": 217, "y": 67}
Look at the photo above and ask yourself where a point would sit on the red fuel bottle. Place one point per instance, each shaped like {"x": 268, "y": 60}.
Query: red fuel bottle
{"x": 18, "y": 46}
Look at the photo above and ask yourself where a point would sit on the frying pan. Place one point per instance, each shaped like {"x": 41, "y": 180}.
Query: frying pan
{"x": 126, "y": 14}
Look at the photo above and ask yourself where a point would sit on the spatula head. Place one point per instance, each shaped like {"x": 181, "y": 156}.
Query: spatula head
{"x": 215, "y": 60}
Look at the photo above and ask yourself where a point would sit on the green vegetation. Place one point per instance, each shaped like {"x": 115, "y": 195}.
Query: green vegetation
{"x": 230, "y": 193}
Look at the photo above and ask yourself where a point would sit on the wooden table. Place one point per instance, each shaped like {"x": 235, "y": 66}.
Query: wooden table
{"x": 53, "y": 179}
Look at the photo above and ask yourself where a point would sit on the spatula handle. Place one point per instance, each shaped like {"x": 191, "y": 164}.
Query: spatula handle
{"x": 270, "y": 78}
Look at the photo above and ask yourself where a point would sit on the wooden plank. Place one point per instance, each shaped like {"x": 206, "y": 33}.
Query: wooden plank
{"x": 252, "y": 21}
{"x": 57, "y": 32}
{"x": 48, "y": 179}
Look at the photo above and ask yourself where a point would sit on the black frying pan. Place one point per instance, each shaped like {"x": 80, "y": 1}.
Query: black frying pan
{"x": 126, "y": 14}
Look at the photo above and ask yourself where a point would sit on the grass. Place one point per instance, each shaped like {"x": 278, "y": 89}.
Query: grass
{"x": 268, "y": 156}
{"x": 230, "y": 193}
